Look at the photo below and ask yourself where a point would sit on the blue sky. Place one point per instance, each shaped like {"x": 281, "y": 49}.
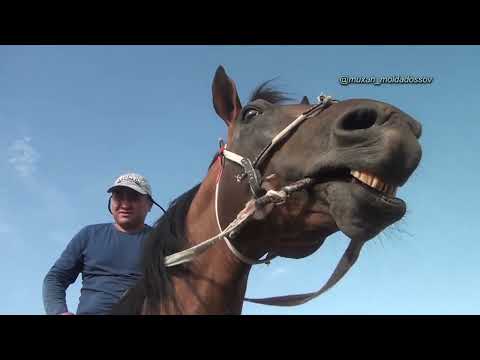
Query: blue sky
{"x": 74, "y": 117}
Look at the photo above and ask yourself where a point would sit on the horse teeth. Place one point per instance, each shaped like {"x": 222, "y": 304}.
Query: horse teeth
{"x": 365, "y": 178}
{"x": 374, "y": 182}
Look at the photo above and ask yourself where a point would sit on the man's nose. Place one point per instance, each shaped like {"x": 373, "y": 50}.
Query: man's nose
{"x": 126, "y": 202}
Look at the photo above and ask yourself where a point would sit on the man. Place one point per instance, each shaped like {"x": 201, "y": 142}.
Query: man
{"x": 107, "y": 255}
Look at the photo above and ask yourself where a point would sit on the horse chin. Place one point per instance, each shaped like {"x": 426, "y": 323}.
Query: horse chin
{"x": 359, "y": 213}
{"x": 307, "y": 232}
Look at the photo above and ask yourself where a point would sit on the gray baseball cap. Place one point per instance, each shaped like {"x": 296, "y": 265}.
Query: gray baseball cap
{"x": 133, "y": 181}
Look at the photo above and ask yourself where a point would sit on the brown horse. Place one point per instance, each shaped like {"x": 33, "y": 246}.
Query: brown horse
{"x": 344, "y": 161}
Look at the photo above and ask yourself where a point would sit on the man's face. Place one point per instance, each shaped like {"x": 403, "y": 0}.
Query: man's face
{"x": 129, "y": 208}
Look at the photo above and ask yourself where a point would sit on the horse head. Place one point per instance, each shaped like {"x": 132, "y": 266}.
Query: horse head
{"x": 358, "y": 151}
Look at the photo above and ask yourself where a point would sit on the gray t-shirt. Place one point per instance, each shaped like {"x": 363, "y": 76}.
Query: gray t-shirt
{"x": 109, "y": 261}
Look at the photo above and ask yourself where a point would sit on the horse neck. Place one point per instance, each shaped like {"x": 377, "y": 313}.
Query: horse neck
{"x": 216, "y": 281}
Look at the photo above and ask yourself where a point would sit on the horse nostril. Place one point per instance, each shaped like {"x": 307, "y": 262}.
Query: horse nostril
{"x": 359, "y": 119}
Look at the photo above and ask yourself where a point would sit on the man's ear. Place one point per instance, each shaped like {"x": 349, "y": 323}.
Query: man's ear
{"x": 150, "y": 202}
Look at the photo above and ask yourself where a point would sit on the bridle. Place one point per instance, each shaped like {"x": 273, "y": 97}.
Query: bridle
{"x": 260, "y": 199}
{"x": 251, "y": 170}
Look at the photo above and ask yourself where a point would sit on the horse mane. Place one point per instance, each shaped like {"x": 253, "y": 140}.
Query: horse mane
{"x": 268, "y": 93}
{"x": 167, "y": 237}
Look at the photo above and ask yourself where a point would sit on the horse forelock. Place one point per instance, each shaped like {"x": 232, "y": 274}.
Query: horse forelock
{"x": 268, "y": 93}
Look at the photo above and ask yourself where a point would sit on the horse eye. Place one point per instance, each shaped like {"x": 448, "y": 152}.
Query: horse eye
{"x": 250, "y": 114}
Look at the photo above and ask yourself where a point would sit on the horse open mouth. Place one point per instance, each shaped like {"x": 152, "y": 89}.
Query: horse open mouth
{"x": 368, "y": 181}
{"x": 376, "y": 186}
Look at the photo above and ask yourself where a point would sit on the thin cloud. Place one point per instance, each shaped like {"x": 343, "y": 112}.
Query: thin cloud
{"x": 23, "y": 157}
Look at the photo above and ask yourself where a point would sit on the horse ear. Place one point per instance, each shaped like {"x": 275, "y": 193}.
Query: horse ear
{"x": 225, "y": 97}
{"x": 305, "y": 101}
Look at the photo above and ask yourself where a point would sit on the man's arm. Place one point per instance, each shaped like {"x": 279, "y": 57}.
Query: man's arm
{"x": 63, "y": 273}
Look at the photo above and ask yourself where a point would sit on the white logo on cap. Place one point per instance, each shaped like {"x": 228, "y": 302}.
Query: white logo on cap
{"x": 130, "y": 178}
